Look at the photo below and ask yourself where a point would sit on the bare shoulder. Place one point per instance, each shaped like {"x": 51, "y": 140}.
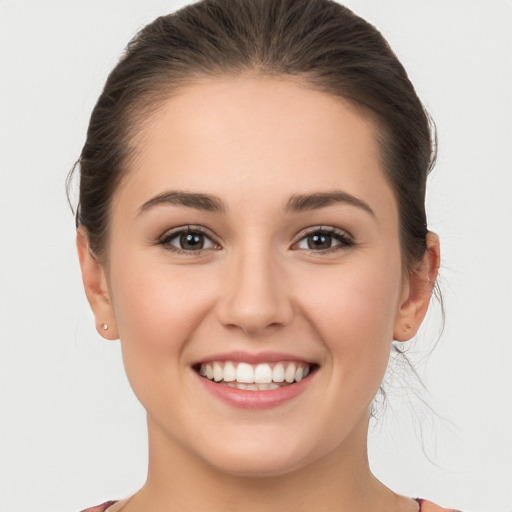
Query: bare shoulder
{"x": 101, "y": 508}
{"x": 428, "y": 506}
{"x": 108, "y": 506}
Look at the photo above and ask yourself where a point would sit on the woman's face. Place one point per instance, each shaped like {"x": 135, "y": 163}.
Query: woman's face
{"x": 255, "y": 229}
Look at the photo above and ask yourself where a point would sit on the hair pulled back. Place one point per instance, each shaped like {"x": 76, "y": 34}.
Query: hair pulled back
{"x": 320, "y": 42}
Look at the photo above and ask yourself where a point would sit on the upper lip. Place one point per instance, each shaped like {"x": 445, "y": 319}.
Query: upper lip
{"x": 252, "y": 358}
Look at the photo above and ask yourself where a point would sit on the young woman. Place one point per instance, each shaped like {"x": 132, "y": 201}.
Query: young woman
{"x": 251, "y": 225}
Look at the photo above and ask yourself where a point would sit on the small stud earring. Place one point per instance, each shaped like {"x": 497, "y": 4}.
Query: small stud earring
{"x": 104, "y": 327}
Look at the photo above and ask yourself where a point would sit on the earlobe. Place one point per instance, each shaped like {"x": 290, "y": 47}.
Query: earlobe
{"x": 96, "y": 287}
{"x": 417, "y": 292}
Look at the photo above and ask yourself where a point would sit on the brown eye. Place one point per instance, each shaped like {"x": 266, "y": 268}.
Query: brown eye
{"x": 319, "y": 241}
{"x": 324, "y": 240}
{"x": 187, "y": 240}
{"x": 191, "y": 241}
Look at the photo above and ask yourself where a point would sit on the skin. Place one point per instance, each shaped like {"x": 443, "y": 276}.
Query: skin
{"x": 254, "y": 142}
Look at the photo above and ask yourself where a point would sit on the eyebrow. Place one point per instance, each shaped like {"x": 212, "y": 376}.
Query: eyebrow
{"x": 203, "y": 202}
{"x": 305, "y": 202}
{"x": 296, "y": 203}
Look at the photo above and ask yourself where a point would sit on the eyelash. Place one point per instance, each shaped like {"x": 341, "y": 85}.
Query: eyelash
{"x": 168, "y": 237}
{"x": 345, "y": 240}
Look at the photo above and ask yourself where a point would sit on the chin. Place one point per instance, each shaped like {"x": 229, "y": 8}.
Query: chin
{"x": 259, "y": 459}
{"x": 257, "y": 466}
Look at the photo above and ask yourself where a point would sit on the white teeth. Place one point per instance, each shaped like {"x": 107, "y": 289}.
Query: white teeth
{"x": 263, "y": 374}
{"x": 261, "y": 377}
{"x": 229, "y": 372}
{"x": 289, "y": 374}
{"x": 245, "y": 373}
{"x": 253, "y": 387}
{"x": 278, "y": 373}
{"x": 217, "y": 372}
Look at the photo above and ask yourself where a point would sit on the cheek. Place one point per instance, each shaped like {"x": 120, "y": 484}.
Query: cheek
{"x": 158, "y": 307}
{"x": 353, "y": 311}
{"x": 361, "y": 296}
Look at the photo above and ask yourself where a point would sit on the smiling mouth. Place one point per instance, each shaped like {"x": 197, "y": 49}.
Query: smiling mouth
{"x": 255, "y": 377}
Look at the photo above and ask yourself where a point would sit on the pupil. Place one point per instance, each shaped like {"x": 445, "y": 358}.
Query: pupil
{"x": 192, "y": 241}
{"x": 319, "y": 241}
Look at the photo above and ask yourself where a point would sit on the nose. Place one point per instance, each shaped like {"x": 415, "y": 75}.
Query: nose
{"x": 254, "y": 294}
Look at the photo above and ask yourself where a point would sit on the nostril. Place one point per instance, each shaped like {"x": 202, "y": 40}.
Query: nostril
{"x": 255, "y": 302}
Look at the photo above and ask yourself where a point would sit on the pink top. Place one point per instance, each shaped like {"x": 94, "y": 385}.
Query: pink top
{"x": 425, "y": 506}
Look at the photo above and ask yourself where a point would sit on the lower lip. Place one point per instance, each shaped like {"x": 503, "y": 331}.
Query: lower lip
{"x": 245, "y": 399}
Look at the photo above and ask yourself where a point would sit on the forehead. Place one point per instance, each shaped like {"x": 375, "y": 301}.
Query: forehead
{"x": 255, "y": 138}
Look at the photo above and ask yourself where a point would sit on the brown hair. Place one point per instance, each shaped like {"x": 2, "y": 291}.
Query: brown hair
{"x": 319, "y": 41}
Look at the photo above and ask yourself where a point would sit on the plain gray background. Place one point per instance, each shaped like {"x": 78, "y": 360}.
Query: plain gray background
{"x": 72, "y": 434}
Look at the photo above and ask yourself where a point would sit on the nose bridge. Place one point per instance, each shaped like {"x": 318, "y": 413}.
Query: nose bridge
{"x": 255, "y": 297}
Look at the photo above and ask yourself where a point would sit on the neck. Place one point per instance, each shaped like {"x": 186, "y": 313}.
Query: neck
{"x": 339, "y": 480}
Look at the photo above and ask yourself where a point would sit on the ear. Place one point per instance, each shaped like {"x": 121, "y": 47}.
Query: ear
{"x": 417, "y": 291}
{"x": 96, "y": 287}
